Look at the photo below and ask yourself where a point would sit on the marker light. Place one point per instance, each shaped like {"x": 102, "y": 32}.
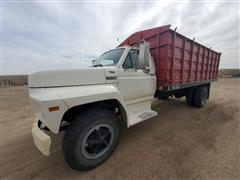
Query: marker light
{"x": 53, "y": 108}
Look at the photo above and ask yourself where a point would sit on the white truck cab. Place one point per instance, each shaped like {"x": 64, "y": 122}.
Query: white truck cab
{"x": 91, "y": 104}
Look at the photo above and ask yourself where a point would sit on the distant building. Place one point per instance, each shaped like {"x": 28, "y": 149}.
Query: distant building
{"x": 228, "y": 73}
{"x": 13, "y": 80}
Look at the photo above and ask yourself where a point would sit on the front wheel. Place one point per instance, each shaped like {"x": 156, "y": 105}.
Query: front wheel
{"x": 91, "y": 139}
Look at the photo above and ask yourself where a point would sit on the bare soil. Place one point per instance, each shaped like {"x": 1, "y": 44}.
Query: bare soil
{"x": 182, "y": 142}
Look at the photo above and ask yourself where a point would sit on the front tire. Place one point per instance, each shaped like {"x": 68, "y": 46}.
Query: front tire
{"x": 91, "y": 138}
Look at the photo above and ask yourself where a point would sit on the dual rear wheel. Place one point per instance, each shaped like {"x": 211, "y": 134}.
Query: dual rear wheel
{"x": 197, "y": 97}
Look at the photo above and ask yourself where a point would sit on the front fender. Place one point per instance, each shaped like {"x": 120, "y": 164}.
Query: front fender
{"x": 68, "y": 97}
{"x": 74, "y": 96}
{"x": 41, "y": 100}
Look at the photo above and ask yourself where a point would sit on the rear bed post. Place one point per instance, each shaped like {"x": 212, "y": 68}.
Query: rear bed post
{"x": 173, "y": 52}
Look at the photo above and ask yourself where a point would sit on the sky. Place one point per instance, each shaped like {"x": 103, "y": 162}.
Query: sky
{"x": 45, "y": 35}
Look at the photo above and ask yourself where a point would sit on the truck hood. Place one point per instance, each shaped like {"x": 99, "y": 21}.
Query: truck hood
{"x": 60, "y": 78}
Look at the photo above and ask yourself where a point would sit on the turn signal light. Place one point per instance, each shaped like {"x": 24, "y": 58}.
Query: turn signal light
{"x": 53, "y": 108}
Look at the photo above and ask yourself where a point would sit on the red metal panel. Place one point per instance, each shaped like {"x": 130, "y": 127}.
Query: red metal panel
{"x": 158, "y": 56}
{"x": 208, "y": 57}
{"x": 215, "y": 66}
{"x": 173, "y": 54}
{"x": 216, "y": 69}
{"x": 211, "y": 66}
{"x": 182, "y": 67}
{"x": 191, "y": 61}
{"x": 178, "y": 59}
{"x": 203, "y": 63}
{"x": 198, "y": 56}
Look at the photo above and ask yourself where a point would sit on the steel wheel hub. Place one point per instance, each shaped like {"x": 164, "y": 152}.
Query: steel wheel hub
{"x": 97, "y": 141}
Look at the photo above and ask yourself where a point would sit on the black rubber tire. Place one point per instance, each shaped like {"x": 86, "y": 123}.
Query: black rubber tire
{"x": 79, "y": 128}
{"x": 190, "y": 96}
{"x": 163, "y": 97}
{"x": 200, "y": 97}
{"x": 178, "y": 95}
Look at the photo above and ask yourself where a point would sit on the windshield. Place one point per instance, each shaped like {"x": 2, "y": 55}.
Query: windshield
{"x": 110, "y": 58}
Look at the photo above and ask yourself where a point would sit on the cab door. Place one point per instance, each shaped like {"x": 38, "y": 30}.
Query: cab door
{"x": 134, "y": 84}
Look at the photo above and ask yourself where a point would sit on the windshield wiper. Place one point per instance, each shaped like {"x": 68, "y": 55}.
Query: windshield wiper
{"x": 98, "y": 65}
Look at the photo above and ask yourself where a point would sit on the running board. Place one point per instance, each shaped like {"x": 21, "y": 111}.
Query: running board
{"x": 134, "y": 119}
{"x": 140, "y": 112}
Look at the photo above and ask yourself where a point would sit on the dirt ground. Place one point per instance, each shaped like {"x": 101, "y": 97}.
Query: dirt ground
{"x": 182, "y": 142}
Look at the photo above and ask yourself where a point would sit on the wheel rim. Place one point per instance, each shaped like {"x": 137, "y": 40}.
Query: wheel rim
{"x": 97, "y": 141}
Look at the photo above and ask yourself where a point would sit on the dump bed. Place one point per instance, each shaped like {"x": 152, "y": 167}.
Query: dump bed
{"x": 180, "y": 61}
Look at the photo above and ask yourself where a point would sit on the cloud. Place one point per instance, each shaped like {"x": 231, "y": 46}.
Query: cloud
{"x": 59, "y": 35}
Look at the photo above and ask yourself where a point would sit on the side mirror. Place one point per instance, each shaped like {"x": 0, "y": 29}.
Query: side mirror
{"x": 94, "y": 62}
{"x": 141, "y": 61}
{"x": 144, "y": 56}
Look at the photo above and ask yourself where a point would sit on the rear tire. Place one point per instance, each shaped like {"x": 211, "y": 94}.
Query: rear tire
{"x": 200, "y": 97}
{"x": 178, "y": 95}
{"x": 91, "y": 138}
{"x": 190, "y": 96}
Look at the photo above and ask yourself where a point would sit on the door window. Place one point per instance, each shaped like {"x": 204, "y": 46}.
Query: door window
{"x": 131, "y": 61}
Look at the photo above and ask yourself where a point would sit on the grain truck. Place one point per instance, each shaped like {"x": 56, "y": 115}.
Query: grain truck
{"x": 93, "y": 104}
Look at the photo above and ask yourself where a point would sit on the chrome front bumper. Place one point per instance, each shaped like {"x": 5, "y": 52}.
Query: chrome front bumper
{"x": 41, "y": 140}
